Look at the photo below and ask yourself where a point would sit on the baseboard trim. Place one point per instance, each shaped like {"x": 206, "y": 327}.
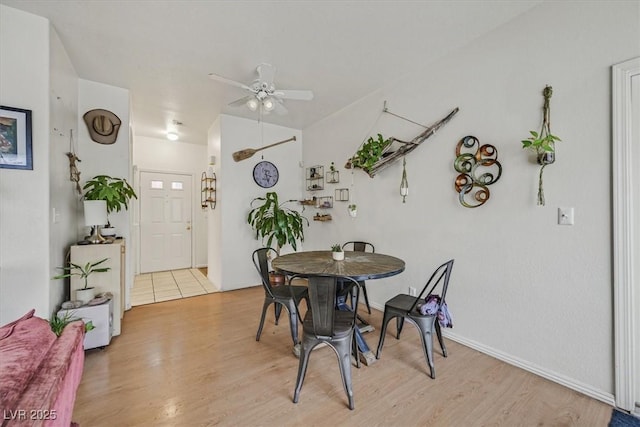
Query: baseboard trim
{"x": 578, "y": 386}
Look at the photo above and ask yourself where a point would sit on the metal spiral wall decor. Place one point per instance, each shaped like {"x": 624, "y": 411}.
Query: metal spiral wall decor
{"x": 474, "y": 178}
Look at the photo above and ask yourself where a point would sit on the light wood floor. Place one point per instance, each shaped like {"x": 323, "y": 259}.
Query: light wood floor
{"x": 195, "y": 362}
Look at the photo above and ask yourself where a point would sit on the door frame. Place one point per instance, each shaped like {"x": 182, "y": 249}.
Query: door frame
{"x": 136, "y": 214}
{"x": 626, "y": 343}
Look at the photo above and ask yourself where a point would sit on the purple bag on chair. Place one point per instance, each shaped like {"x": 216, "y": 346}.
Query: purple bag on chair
{"x": 433, "y": 306}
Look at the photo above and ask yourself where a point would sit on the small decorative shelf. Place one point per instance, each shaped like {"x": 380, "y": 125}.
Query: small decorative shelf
{"x": 325, "y": 202}
{"x": 315, "y": 178}
{"x": 333, "y": 177}
{"x": 342, "y": 194}
{"x": 319, "y": 217}
{"x": 208, "y": 191}
{"x": 308, "y": 202}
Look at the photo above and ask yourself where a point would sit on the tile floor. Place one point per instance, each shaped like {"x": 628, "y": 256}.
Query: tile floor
{"x": 168, "y": 285}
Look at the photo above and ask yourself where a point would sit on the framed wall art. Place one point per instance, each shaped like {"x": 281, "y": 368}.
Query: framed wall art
{"x": 15, "y": 138}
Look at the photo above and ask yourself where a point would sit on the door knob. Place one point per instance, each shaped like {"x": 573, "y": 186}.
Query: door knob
{"x": 188, "y": 227}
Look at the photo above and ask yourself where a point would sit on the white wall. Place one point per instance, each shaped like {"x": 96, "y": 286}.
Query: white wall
{"x": 112, "y": 159}
{"x": 24, "y": 201}
{"x": 160, "y": 155}
{"x": 523, "y": 288}
{"x": 234, "y": 242}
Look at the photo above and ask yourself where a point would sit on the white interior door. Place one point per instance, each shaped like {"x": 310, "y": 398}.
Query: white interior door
{"x": 165, "y": 221}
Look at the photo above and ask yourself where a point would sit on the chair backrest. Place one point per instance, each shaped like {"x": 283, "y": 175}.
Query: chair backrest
{"x": 360, "y": 246}
{"x": 323, "y": 290}
{"x": 439, "y": 277}
{"x": 260, "y": 259}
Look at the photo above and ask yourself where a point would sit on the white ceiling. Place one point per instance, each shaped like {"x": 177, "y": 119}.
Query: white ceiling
{"x": 163, "y": 51}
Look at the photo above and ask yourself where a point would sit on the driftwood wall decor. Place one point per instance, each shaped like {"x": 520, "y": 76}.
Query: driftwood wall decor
{"x": 386, "y": 156}
{"x": 477, "y": 170}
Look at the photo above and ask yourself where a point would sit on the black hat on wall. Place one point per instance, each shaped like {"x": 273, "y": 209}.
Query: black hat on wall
{"x": 103, "y": 126}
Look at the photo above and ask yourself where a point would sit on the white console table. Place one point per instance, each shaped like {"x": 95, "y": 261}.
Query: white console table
{"x": 111, "y": 281}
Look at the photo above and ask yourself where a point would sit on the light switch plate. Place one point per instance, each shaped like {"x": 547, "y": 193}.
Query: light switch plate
{"x": 565, "y": 216}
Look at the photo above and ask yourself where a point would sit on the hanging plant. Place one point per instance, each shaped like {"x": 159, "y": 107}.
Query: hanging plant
{"x": 543, "y": 142}
{"x": 370, "y": 152}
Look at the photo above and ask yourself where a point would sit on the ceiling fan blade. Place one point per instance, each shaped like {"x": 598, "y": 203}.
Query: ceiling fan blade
{"x": 241, "y": 101}
{"x": 301, "y": 95}
{"x": 266, "y": 73}
{"x": 221, "y": 79}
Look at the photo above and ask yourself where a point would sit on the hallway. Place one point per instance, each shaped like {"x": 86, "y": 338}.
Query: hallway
{"x": 169, "y": 285}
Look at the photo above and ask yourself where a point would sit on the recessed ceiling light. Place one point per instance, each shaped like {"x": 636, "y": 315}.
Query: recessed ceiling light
{"x": 172, "y": 136}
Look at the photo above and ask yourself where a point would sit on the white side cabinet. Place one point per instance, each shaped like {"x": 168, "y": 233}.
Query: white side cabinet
{"x": 102, "y": 318}
{"x": 111, "y": 281}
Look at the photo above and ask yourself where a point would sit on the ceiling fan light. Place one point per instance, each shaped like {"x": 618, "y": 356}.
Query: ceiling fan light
{"x": 268, "y": 104}
{"x": 252, "y": 104}
{"x": 172, "y": 136}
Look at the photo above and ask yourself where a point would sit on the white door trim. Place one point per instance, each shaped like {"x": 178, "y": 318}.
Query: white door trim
{"x": 624, "y": 217}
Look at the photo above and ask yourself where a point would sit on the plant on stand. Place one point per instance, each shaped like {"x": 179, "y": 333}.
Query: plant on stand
{"x": 276, "y": 224}
{"x": 115, "y": 191}
{"x": 86, "y": 293}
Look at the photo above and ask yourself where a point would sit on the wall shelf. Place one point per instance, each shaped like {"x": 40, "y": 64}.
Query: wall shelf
{"x": 208, "y": 191}
{"x": 315, "y": 178}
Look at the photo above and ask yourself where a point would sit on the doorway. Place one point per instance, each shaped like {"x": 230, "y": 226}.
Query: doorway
{"x": 165, "y": 221}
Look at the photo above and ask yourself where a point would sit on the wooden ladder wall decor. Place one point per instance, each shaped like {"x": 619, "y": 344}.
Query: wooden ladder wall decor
{"x": 388, "y": 158}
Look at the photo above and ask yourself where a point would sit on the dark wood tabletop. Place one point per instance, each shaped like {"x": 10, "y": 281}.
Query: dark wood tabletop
{"x": 357, "y": 265}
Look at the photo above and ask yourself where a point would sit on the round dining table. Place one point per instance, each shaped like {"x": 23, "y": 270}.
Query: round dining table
{"x": 356, "y": 265}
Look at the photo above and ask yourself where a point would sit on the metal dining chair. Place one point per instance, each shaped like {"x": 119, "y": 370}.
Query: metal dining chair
{"x": 287, "y": 296}
{"x": 407, "y": 307}
{"x": 325, "y": 323}
{"x": 358, "y": 246}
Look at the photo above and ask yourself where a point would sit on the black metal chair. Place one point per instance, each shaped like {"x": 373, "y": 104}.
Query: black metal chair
{"x": 358, "y": 246}
{"x": 287, "y": 296}
{"x": 405, "y": 306}
{"x": 325, "y": 323}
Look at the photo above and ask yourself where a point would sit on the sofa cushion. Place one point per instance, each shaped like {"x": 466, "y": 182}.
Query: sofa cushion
{"x": 24, "y": 345}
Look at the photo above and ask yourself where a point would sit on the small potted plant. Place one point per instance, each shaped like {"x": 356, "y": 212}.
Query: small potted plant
{"x": 115, "y": 191}
{"x": 58, "y": 323}
{"x": 86, "y": 293}
{"x": 337, "y": 253}
{"x": 353, "y": 210}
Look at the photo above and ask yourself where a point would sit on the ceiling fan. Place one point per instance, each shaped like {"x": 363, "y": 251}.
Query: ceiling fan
{"x": 263, "y": 92}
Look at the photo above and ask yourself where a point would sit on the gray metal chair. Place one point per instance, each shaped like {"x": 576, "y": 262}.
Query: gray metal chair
{"x": 405, "y": 306}
{"x": 358, "y": 246}
{"x": 285, "y": 296}
{"x": 324, "y": 323}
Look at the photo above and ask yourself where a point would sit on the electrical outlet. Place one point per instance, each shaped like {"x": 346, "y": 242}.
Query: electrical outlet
{"x": 412, "y": 291}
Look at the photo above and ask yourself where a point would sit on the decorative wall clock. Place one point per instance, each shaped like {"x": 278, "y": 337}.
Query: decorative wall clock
{"x": 265, "y": 174}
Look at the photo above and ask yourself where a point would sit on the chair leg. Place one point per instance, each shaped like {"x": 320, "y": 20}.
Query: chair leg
{"x": 399, "y": 325}
{"x": 265, "y": 306}
{"x": 293, "y": 321}
{"x": 366, "y": 298}
{"x": 302, "y": 369}
{"x": 440, "y": 340}
{"x": 343, "y": 347}
{"x": 356, "y": 350}
{"x": 278, "y": 310}
{"x": 383, "y": 331}
{"x": 426, "y": 334}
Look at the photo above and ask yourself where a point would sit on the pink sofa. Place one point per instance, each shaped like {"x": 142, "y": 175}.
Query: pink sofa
{"x": 40, "y": 372}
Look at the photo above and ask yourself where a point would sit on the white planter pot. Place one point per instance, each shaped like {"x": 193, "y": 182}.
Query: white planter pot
{"x": 85, "y": 295}
{"x": 353, "y": 212}
{"x": 108, "y": 231}
{"x": 338, "y": 256}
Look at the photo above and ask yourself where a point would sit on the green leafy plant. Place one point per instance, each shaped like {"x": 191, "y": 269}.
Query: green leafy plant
{"x": 115, "y": 191}
{"x": 336, "y": 248}
{"x": 370, "y": 152}
{"x": 276, "y": 223}
{"x": 83, "y": 271}
{"x": 353, "y": 207}
{"x": 59, "y": 323}
{"x": 543, "y": 142}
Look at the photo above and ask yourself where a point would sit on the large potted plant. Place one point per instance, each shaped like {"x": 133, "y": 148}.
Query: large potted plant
{"x": 115, "y": 191}
{"x": 276, "y": 224}
{"x": 86, "y": 293}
